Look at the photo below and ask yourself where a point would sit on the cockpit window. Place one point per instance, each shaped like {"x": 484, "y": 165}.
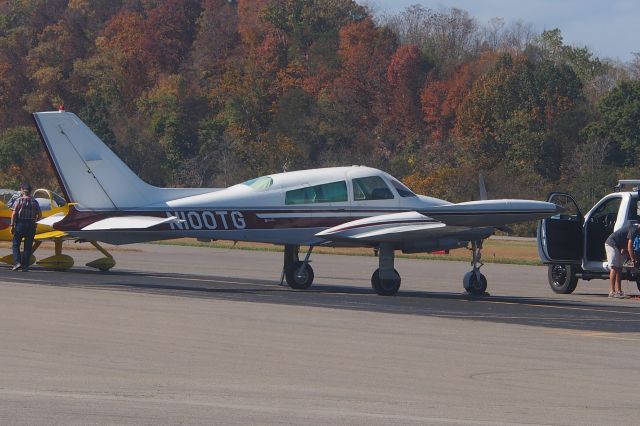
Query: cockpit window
{"x": 326, "y": 193}
{"x": 371, "y": 188}
{"x": 260, "y": 183}
{"x": 403, "y": 191}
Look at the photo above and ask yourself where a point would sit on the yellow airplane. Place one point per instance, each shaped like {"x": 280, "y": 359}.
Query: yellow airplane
{"x": 51, "y": 204}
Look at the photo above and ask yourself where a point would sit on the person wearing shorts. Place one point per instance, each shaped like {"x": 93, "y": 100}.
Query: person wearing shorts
{"x": 616, "y": 248}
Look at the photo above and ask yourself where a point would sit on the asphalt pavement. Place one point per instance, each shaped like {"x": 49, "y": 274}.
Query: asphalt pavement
{"x": 184, "y": 335}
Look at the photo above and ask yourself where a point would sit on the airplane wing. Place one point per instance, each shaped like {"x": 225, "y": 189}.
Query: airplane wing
{"x": 493, "y": 213}
{"x": 51, "y": 235}
{"x": 445, "y": 225}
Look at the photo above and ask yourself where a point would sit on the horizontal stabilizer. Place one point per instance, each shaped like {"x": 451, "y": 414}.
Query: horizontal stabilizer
{"x": 129, "y": 222}
{"x": 51, "y": 220}
{"x": 493, "y": 213}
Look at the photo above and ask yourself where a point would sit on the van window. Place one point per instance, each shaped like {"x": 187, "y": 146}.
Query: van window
{"x": 634, "y": 209}
{"x": 334, "y": 192}
{"x": 371, "y": 188}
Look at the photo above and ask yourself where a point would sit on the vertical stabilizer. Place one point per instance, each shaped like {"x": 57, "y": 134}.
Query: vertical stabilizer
{"x": 90, "y": 173}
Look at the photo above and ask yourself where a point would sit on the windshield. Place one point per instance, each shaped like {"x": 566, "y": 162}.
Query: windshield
{"x": 260, "y": 183}
{"x": 403, "y": 191}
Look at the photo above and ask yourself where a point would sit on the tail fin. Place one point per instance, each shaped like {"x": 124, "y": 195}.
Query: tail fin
{"x": 89, "y": 172}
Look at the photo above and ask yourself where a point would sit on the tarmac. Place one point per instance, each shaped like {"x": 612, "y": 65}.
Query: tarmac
{"x": 185, "y": 335}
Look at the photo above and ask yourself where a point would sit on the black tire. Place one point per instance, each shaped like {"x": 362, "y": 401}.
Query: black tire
{"x": 387, "y": 287}
{"x": 638, "y": 283}
{"x": 302, "y": 281}
{"x": 562, "y": 278}
{"x": 473, "y": 286}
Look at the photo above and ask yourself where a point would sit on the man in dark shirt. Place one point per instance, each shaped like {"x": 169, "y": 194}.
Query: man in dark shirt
{"x": 26, "y": 212}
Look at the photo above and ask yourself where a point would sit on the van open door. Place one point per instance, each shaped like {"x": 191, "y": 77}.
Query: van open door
{"x": 560, "y": 237}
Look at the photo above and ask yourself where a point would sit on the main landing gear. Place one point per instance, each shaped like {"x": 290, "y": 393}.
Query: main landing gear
{"x": 474, "y": 282}
{"x": 385, "y": 281}
{"x": 299, "y": 274}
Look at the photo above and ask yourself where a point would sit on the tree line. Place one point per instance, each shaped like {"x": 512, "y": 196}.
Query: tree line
{"x": 213, "y": 92}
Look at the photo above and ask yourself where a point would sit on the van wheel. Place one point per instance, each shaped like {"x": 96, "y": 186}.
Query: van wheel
{"x": 562, "y": 278}
{"x": 638, "y": 283}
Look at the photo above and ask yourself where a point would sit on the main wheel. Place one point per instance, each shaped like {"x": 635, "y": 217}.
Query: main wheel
{"x": 386, "y": 287}
{"x": 562, "y": 278}
{"x": 302, "y": 280}
{"x": 474, "y": 286}
{"x": 638, "y": 283}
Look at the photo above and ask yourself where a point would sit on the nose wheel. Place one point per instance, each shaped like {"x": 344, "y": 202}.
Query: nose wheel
{"x": 298, "y": 274}
{"x": 474, "y": 282}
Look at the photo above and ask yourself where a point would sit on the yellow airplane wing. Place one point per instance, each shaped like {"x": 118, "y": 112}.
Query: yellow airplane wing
{"x": 50, "y": 235}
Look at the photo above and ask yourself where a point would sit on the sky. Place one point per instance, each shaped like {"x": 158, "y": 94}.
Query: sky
{"x": 609, "y": 28}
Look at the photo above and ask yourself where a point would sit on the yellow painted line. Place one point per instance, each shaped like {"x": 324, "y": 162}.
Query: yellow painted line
{"x": 572, "y": 308}
{"x": 599, "y": 335}
{"x": 213, "y": 281}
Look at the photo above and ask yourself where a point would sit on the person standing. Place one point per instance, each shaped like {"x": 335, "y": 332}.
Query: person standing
{"x": 616, "y": 247}
{"x": 26, "y": 212}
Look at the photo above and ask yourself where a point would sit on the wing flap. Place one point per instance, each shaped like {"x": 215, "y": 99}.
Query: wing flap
{"x": 389, "y": 227}
{"x": 129, "y": 222}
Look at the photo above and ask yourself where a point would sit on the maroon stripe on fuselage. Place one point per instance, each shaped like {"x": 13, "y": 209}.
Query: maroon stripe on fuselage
{"x": 219, "y": 219}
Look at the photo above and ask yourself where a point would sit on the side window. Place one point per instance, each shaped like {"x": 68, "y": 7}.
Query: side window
{"x": 634, "y": 209}
{"x": 607, "y": 213}
{"x": 370, "y": 188}
{"x": 334, "y": 192}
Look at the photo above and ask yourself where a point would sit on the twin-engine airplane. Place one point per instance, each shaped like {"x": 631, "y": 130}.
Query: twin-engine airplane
{"x": 357, "y": 206}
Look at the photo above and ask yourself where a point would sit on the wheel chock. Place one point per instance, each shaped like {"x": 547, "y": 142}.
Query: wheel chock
{"x": 103, "y": 264}
{"x": 58, "y": 262}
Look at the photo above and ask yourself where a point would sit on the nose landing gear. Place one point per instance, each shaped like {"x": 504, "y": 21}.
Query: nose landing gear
{"x": 298, "y": 274}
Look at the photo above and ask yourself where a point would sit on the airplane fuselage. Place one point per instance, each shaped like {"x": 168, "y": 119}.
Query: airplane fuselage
{"x": 286, "y": 209}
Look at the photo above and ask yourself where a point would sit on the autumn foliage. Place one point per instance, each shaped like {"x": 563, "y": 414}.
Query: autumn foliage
{"x": 211, "y": 92}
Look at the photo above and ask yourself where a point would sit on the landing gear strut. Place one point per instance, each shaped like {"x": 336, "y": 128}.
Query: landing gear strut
{"x": 385, "y": 280}
{"x": 299, "y": 274}
{"x": 474, "y": 282}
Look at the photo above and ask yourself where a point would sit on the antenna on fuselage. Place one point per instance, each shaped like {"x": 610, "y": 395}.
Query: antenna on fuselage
{"x": 483, "y": 188}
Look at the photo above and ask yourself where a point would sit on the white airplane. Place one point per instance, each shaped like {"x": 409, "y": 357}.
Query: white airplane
{"x": 357, "y": 206}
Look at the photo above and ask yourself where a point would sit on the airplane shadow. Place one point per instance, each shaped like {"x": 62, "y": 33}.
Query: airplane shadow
{"x": 532, "y": 311}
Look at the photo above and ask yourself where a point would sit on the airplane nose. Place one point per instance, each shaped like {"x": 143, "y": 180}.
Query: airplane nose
{"x": 560, "y": 209}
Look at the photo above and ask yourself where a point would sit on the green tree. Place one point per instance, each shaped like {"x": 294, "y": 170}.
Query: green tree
{"x": 619, "y": 123}
{"x": 510, "y": 110}
{"x": 22, "y": 158}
